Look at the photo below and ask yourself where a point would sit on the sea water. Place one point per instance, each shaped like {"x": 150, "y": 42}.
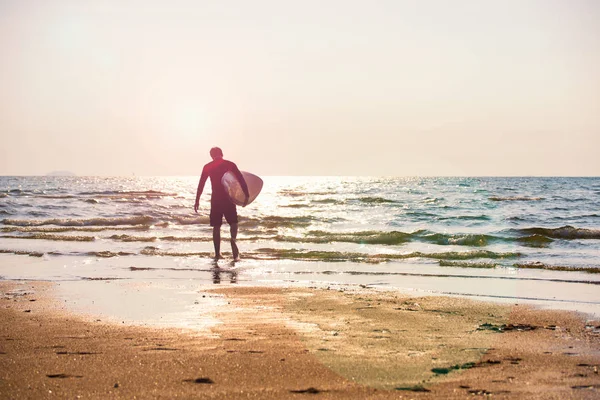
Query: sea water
{"x": 511, "y": 239}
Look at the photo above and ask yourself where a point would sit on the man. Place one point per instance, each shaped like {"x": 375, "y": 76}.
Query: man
{"x": 220, "y": 204}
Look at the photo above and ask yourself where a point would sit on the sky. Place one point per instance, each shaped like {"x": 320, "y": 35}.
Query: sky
{"x": 327, "y": 87}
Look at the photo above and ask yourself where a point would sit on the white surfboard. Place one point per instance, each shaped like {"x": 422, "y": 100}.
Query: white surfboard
{"x": 234, "y": 190}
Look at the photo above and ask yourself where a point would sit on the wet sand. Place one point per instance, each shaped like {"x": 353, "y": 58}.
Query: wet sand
{"x": 277, "y": 343}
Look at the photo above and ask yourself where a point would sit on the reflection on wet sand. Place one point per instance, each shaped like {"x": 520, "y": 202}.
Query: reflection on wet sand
{"x": 217, "y": 272}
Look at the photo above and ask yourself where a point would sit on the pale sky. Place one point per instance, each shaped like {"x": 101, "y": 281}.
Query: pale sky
{"x": 328, "y": 87}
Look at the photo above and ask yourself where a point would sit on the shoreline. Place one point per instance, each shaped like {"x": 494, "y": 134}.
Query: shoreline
{"x": 272, "y": 342}
{"x": 557, "y": 290}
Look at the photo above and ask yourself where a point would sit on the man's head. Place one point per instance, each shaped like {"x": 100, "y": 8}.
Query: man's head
{"x": 216, "y": 153}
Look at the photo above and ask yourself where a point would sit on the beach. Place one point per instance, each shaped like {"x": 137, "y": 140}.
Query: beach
{"x": 353, "y": 287}
{"x": 297, "y": 342}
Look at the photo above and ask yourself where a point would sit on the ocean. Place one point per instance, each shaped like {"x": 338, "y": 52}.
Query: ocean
{"x": 526, "y": 239}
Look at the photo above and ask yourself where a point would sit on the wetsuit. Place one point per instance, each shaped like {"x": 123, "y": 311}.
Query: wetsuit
{"x": 220, "y": 204}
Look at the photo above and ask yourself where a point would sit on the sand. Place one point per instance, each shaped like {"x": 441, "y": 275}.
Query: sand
{"x": 279, "y": 343}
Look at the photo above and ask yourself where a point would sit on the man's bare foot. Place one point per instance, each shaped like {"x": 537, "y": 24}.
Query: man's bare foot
{"x": 217, "y": 257}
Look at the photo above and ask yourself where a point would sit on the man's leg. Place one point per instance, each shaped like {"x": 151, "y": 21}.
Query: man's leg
{"x": 217, "y": 241}
{"x": 216, "y": 219}
{"x": 233, "y": 228}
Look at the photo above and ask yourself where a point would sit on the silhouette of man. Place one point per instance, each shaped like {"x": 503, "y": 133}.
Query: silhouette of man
{"x": 220, "y": 204}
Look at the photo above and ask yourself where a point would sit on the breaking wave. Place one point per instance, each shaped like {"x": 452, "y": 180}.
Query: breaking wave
{"x": 540, "y": 265}
{"x": 564, "y": 232}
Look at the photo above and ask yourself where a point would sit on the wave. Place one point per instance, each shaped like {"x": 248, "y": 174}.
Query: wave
{"x": 432, "y": 200}
{"x": 164, "y": 219}
{"x": 462, "y": 264}
{"x": 390, "y": 238}
{"x": 37, "y": 213}
{"x": 22, "y": 253}
{"x": 477, "y": 240}
{"x": 186, "y": 220}
{"x": 149, "y": 194}
{"x": 46, "y": 229}
{"x": 375, "y": 200}
{"x": 515, "y": 198}
{"x": 365, "y": 200}
{"x": 192, "y": 238}
{"x": 108, "y": 254}
{"x": 128, "y": 238}
{"x": 301, "y": 193}
{"x": 155, "y": 251}
{"x": 14, "y": 192}
{"x": 467, "y": 255}
{"x": 564, "y": 232}
{"x": 540, "y": 265}
{"x": 297, "y": 255}
{"x": 55, "y": 196}
{"x": 329, "y": 201}
{"x": 535, "y": 241}
{"x": 481, "y": 217}
{"x": 292, "y": 193}
{"x": 393, "y": 238}
{"x": 367, "y": 237}
{"x": 102, "y": 254}
{"x": 274, "y": 221}
{"x": 43, "y": 236}
{"x": 514, "y": 218}
{"x": 574, "y": 217}
{"x": 421, "y": 214}
{"x": 116, "y": 221}
{"x": 333, "y": 256}
{"x": 110, "y": 194}
{"x": 588, "y": 216}
{"x": 338, "y": 256}
{"x": 271, "y": 227}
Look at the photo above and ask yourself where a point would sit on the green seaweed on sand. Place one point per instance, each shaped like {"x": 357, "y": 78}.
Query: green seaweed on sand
{"x": 416, "y": 388}
{"x": 444, "y": 371}
{"x": 505, "y": 327}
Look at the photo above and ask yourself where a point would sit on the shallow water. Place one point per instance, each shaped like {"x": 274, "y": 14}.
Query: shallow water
{"x": 533, "y": 240}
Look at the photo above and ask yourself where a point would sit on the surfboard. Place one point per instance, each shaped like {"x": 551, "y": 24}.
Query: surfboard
{"x": 234, "y": 189}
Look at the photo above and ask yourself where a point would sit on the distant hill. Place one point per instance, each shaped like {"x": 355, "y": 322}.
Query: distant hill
{"x": 60, "y": 173}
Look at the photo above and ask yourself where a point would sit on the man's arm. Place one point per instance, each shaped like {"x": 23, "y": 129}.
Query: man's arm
{"x": 242, "y": 182}
{"x": 203, "y": 179}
